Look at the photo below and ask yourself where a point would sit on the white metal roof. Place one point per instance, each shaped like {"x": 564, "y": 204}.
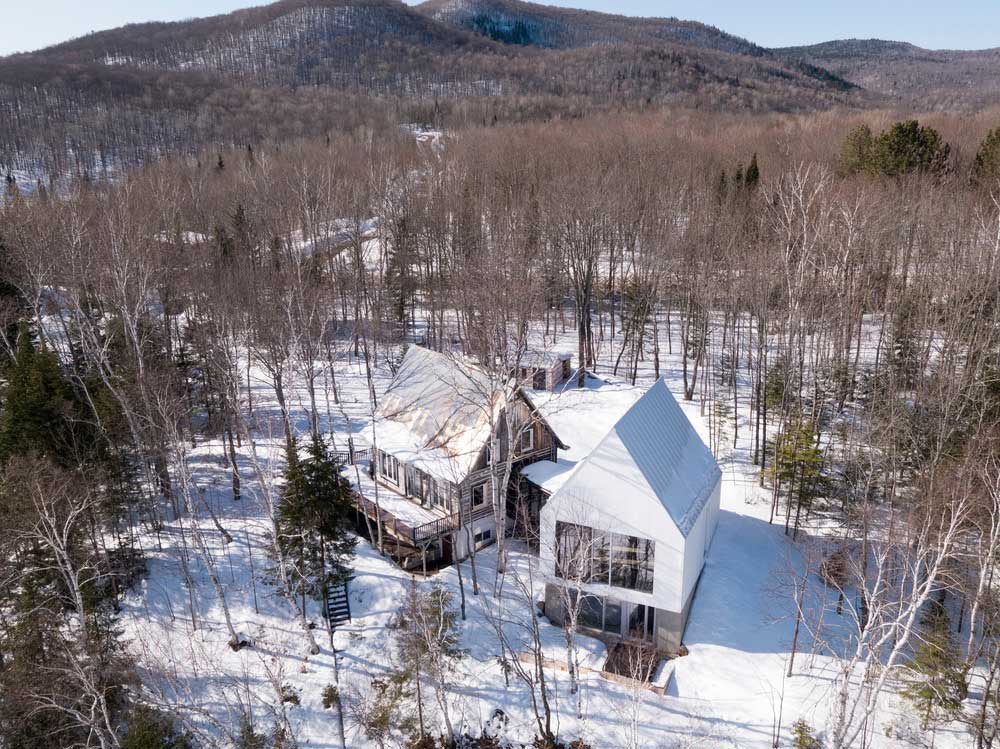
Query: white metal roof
{"x": 654, "y": 451}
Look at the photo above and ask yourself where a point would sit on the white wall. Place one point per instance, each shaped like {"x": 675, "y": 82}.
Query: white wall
{"x": 462, "y": 537}
{"x": 698, "y": 541}
{"x": 593, "y": 498}
{"x": 623, "y": 503}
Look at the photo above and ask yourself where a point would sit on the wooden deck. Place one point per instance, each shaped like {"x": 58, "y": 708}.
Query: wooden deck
{"x": 413, "y": 535}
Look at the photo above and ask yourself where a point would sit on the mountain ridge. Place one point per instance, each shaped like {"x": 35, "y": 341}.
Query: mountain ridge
{"x": 300, "y": 68}
{"x": 912, "y": 75}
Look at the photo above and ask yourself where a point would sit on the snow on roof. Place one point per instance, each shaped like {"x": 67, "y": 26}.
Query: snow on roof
{"x": 656, "y": 452}
{"x": 537, "y": 358}
{"x": 436, "y": 413}
{"x": 581, "y": 417}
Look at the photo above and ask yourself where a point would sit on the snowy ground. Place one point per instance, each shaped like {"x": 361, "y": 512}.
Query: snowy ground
{"x": 727, "y": 692}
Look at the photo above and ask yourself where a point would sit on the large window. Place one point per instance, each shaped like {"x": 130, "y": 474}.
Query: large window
{"x": 586, "y": 555}
{"x": 596, "y": 612}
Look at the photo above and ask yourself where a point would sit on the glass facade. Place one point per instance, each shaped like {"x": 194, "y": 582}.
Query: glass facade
{"x": 589, "y": 556}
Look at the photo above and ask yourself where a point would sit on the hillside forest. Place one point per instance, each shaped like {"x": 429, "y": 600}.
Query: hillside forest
{"x": 828, "y": 284}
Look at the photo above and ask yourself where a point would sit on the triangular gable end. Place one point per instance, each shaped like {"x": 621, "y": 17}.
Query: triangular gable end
{"x": 665, "y": 448}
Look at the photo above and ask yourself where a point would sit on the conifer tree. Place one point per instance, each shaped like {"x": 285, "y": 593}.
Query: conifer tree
{"x": 35, "y": 403}
{"x": 905, "y": 349}
{"x": 427, "y": 643}
{"x": 986, "y": 169}
{"x": 313, "y": 520}
{"x": 248, "y": 738}
{"x": 908, "y": 147}
{"x": 934, "y": 680}
{"x": 803, "y": 736}
{"x": 150, "y": 729}
{"x": 722, "y": 187}
{"x": 798, "y": 466}
{"x": 855, "y": 154}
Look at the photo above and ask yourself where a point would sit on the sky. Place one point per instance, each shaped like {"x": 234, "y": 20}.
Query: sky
{"x": 959, "y": 24}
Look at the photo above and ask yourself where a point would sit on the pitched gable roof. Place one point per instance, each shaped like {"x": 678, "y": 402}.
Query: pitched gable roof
{"x": 437, "y": 413}
{"x": 655, "y": 452}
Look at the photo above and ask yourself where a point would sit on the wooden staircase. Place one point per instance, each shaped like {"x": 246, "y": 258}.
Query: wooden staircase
{"x": 338, "y": 605}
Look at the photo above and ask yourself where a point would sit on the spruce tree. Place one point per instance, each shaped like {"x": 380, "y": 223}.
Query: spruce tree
{"x": 35, "y": 402}
{"x": 314, "y": 520}
{"x": 934, "y": 679}
{"x": 151, "y": 729}
{"x": 722, "y": 187}
{"x": 905, "y": 349}
{"x": 799, "y": 467}
{"x": 856, "y": 153}
{"x": 986, "y": 169}
{"x": 803, "y": 736}
{"x": 427, "y": 640}
{"x": 248, "y": 738}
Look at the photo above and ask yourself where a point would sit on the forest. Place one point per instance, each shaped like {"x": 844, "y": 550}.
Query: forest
{"x": 825, "y": 287}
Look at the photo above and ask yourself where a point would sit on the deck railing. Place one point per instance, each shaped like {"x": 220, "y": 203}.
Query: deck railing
{"x": 352, "y": 457}
{"x": 414, "y": 535}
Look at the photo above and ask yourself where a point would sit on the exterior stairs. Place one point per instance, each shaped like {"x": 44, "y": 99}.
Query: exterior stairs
{"x": 338, "y": 605}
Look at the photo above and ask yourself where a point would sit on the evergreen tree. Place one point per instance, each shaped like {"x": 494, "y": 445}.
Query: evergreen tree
{"x": 799, "y": 467}
{"x": 855, "y": 154}
{"x": 934, "y": 680}
{"x": 248, "y": 738}
{"x": 906, "y": 148}
{"x": 151, "y": 729}
{"x": 427, "y": 640}
{"x": 722, "y": 187}
{"x": 10, "y": 298}
{"x": 986, "y": 169}
{"x": 803, "y": 736}
{"x": 905, "y": 349}
{"x": 314, "y": 520}
{"x": 35, "y": 404}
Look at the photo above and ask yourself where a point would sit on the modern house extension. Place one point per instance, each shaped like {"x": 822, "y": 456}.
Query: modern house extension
{"x": 624, "y": 537}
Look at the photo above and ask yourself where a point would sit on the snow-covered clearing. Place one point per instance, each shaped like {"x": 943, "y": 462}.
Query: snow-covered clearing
{"x": 727, "y": 692}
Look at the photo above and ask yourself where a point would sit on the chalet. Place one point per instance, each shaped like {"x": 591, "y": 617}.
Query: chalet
{"x": 441, "y": 439}
{"x": 625, "y": 533}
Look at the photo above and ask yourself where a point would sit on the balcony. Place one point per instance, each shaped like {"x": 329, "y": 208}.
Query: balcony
{"x": 408, "y": 522}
